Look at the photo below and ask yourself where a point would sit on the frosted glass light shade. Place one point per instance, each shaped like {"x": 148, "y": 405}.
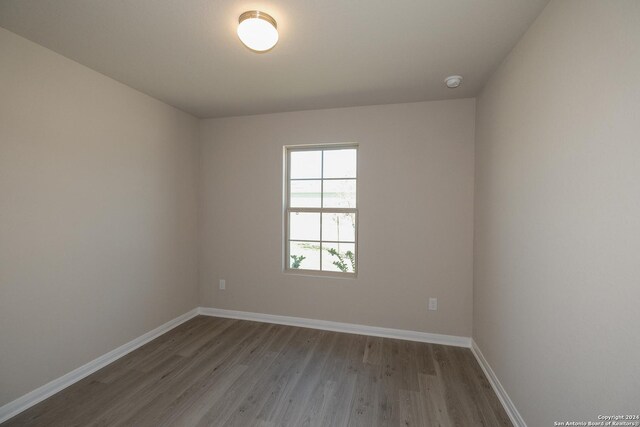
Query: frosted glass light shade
{"x": 257, "y": 30}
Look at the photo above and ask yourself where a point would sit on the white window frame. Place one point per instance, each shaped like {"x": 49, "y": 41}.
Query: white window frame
{"x": 288, "y": 209}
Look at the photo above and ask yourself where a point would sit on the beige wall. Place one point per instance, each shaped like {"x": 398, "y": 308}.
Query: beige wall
{"x": 98, "y": 216}
{"x": 416, "y": 215}
{"x": 557, "y": 228}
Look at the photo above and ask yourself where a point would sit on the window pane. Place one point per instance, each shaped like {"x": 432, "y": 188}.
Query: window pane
{"x": 340, "y": 163}
{"x": 339, "y": 227}
{"x": 338, "y": 257}
{"x": 304, "y": 226}
{"x": 305, "y": 255}
{"x": 305, "y": 194}
{"x": 340, "y": 193}
{"x": 305, "y": 164}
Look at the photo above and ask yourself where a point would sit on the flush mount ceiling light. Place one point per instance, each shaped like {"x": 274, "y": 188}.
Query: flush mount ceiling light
{"x": 453, "y": 81}
{"x": 257, "y": 30}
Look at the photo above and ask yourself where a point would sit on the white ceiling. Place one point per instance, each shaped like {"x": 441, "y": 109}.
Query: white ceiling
{"x": 331, "y": 53}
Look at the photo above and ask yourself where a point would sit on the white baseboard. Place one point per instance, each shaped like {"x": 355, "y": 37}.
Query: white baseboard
{"x": 504, "y": 398}
{"x": 13, "y": 408}
{"x": 349, "y": 328}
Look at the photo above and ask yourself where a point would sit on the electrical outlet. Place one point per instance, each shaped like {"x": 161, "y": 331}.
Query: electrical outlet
{"x": 433, "y": 304}
{"x": 223, "y": 284}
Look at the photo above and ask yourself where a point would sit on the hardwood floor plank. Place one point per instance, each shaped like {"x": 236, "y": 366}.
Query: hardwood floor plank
{"x": 486, "y": 401}
{"x": 365, "y": 400}
{"x": 424, "y": 358}
{"x": 453, "y": 397}
{"x": 247, "y": 397}
{"x": 277, "y": 407}
{"x": 373, "y": 351}
{"x": 307, "y": 382}
{"x": 196, "y": 402}
{"x": 433, "y": 401}
{"x": 412, "y": 409}
{"x": 318, "y": 403}
{"x": 254, "y": 358}
{"x": 210, "y": 365}
{"x": 224, "y": 372}
{"x": 268, "y": 388}
{"x": 347, "y": 365}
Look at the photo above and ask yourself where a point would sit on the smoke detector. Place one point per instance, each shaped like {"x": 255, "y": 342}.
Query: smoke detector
{"x": 453, "y": 81}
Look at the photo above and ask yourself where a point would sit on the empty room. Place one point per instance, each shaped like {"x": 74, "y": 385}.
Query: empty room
{"x": 320, "y": 213}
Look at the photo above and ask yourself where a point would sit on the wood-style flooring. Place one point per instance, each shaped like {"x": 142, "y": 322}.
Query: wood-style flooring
{"x": 222, "y": 372}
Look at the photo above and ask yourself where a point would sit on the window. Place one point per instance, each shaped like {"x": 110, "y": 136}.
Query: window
{"x": 321, "y": 214}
